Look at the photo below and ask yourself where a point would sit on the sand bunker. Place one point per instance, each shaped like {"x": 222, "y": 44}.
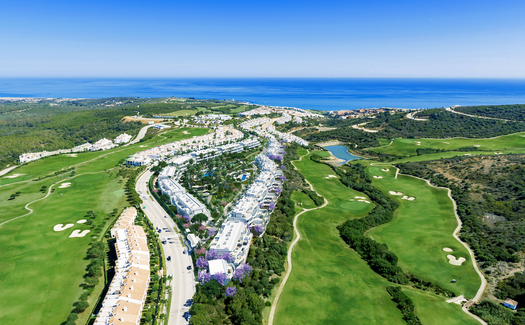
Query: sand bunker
{"x": 143, "y": 146}
{"x": 498, "y": 153}
{"x": 331, "y": 176}
{"x": 72, "y": 155}
{"x": 452, "y": 260}
{"x": 386, "y": 170}
{"x": 360, "y": 197}
{"x": 446, "y": 249}
{"x": 64, "y": 185}
{"x": 363, "y": 201}
{"x": 467, "y": 154}
{"x": 378, "y": 176}
{"x": 82, "y": 221}
{"x": 395, "y": 193}
{"x": 447, "y": 142}
{"x": 78, "y": 233}
{"x": 14, "y": 175}
{"x": 404, "y": 198}
{"x": 477, "y": 145}
{"x": 186, "y": 132}
{"x": 457, "y": 300}
{"x": 411, "y": 198}
{"x": 61, "y": 226}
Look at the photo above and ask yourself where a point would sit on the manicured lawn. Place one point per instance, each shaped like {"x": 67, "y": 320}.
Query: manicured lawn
{"x": 330, "y": 283}
{"x": 40, "y": 269}
{"x": 408, "y": 147}
{"x": 434, "y": 310}
{"x": 421, "y": 229}
{"x": 302, "y": 201}
{"x": 184, "y": 112}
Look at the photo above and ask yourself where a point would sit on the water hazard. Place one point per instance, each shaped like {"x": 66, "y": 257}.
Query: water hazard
{"x": 341, "y": 152}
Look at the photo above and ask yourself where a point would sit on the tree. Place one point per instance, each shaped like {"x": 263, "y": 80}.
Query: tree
{"x": 80, "y": 306}
{"x": 200, "y": 218}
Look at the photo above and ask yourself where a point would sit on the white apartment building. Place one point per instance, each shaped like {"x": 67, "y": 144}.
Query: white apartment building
{"x": 187, "y": 204}
{"x": 233, "y": 237}
{"x": 102, "y": 144}
{"x": 167, "y": 172}
{"x": 123, "y": 138}
{"x": 246, "y": 210}
{"x": 257, "y": 191}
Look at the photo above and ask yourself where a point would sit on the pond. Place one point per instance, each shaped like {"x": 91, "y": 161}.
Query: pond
{"x": 341, "y": 152}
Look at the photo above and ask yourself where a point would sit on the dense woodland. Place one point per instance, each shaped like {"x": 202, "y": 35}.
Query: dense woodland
{"x": 490, "y": 196}
{"x": 507, "y": 112}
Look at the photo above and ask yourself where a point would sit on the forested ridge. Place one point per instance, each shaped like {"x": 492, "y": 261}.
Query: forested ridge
{"x": 507, "y": 112}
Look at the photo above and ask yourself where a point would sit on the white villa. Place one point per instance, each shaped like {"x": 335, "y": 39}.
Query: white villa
{"x": 234, "y": 237}
{"x": 123, "y": 138}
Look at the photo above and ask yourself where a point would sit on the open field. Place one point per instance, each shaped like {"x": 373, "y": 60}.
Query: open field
{"x": 330, "y": 283}
{"x": 408, "y": 147}
{"x": 421, "y": 229}
{"x": 39, "y": 266}
{"x": 184, "y": 112}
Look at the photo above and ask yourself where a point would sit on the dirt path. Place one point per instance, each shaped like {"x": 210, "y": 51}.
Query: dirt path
{"x": 289, "y": 257}
{"x": 478, "y": 116}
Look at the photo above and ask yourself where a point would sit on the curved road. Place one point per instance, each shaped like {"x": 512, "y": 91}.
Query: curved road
{"x": 183, "y": 283}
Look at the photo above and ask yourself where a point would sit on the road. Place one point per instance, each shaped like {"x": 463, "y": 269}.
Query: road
{"x": 141, "y": 134}
{"x": 183, "y": 283}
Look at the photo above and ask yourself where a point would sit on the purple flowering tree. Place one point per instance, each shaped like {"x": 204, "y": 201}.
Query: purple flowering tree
{"x": 221, "y": 278}
{"x": 283, "y": 178}
{"x": 212, "y": 255}
{"x": 283, "y": 167}
{"x": 187, "y": 218}
{"x": 271, "y": 206}
{"x": 242, "y": 272}
{"x": 179, "y": 216}
{"x": 257, "y": 229}
{"x": 201, "y": 263}
{"x": 230, "y": 291}
{"x": 186, "y": 225}
{"x": 261, "y": 205}
{"x": 227, "y": 257}
{"x": 223, "y": 203}
{"x": 278, "y": 190}
{"x": 279, "y": 158}
{"x": 203, "y": 277}
{"x": 202, "y": 227}
{"x": 211, "y": 232}
{"x": 271, "y": 156}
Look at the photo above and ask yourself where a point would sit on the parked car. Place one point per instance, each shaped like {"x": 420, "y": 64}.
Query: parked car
{"x": 169, "y": 258}
{"x": 189, "y": 267}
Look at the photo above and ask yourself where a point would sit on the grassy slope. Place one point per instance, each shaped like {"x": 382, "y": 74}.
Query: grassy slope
{"x": 330, "y": 283}
{"x": 40, "y": 267}
{"x": 409, "y": 146}
{"x": 420, "y": 230}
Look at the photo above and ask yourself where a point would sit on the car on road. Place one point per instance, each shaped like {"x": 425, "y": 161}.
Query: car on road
{"x": 160, "y": 230}
{"x": 164, "y": 242}
{"x": 184, "y": 252}
{"x": 189, "y": 267}
{"x": 169, "y": 258}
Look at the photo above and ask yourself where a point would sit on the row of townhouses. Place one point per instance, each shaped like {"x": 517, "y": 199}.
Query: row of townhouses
{"x": 221, "y": 136}
{"x": 102, "y": 144}
{"x": 126, "y": 296}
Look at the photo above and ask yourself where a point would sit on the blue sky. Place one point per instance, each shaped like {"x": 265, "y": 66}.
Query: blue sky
{"x": 436, "y": 39}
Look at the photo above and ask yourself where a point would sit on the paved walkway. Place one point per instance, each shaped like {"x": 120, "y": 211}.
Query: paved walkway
{"x": 289, "y": 257}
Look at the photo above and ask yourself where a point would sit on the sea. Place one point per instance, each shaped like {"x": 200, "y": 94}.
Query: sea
{"x": 324, "y": 94}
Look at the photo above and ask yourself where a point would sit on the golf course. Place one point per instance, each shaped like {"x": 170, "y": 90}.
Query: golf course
{"x": 331, "y": 284}
{"x": 42, "y": 262}
{"x": 505, "y": 144}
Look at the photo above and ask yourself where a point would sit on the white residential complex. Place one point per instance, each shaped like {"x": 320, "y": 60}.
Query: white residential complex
{"x": 186, "y": 203}
{"x": 102, "y": 144}
{"x": 123, "y": 138}
{"x": 124, "y": 301}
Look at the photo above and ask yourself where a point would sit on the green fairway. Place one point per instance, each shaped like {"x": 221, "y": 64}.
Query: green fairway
{"x": 408, "y": 147}
{"x": 330, "y": 283}
{"x": 41, "y": 269}
{"x": 302, "y": 201}
{"x": 184, "y": 112}
{"x": 421, "y": 229}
